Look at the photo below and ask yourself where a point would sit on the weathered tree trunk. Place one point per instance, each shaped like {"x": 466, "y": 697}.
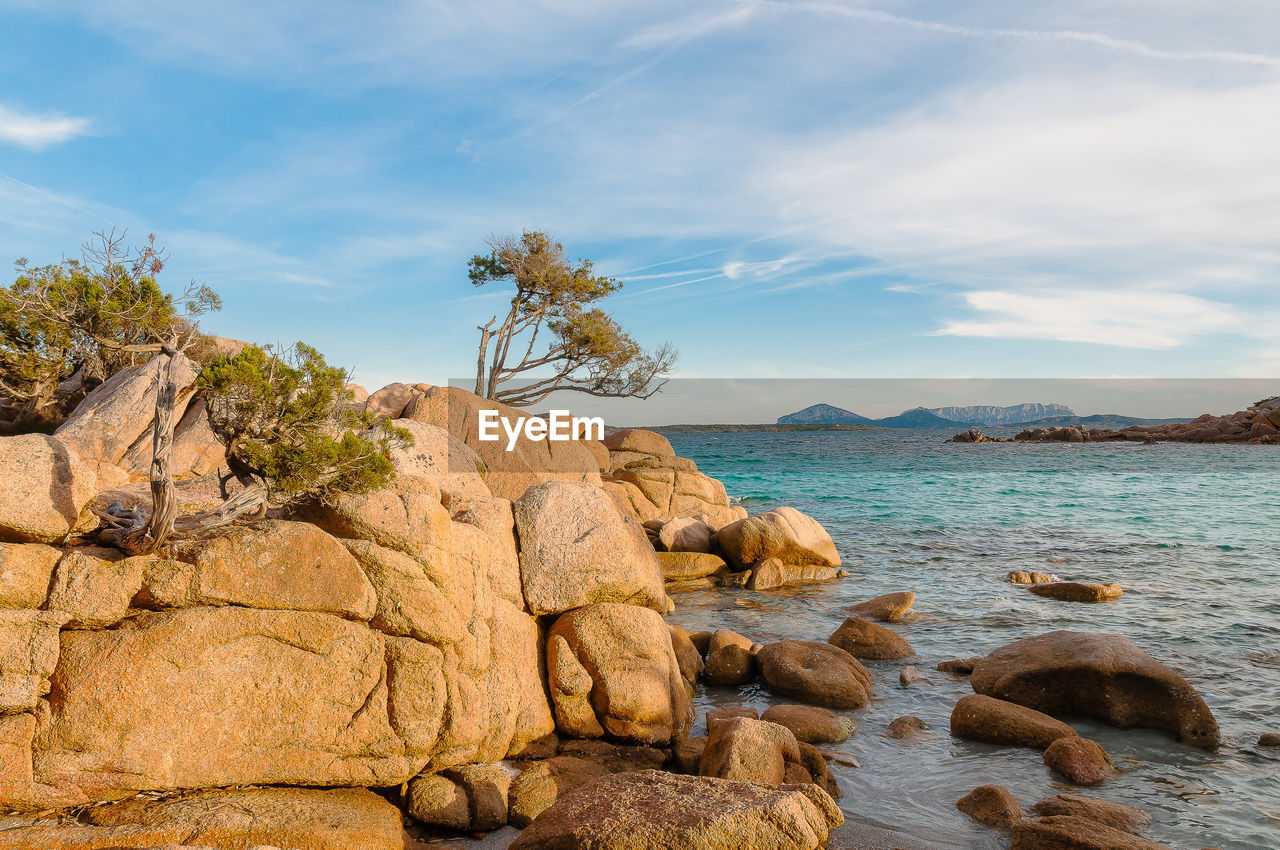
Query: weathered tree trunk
{"x": 164, "y": 499}
{"x": 485, "y": 335}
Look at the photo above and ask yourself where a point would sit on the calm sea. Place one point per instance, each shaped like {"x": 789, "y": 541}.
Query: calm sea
{"x": 1192, "y": 534}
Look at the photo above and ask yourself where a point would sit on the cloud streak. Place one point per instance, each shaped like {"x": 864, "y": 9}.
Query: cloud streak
{"x": 38, "y": 131}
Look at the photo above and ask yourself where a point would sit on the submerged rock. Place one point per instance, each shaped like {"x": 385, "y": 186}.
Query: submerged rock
{"x": 638, "y": 811}
{"x": 810, "y": 724}
{"x": 1024, "y": 577}
{"x": 1082, "y": 761}
{"x": 886, "y": 608}
{"x": 685, "y": 566}
{"x": 1064, "y": 832}
{"x": 1077, "y": 591}
{"x": 864, "y": 639}
{"x": 996, "y": 721}
{"x": 991, "y": 805}
{"x": 906, "y": 727}
{"x": 818, "y": 673}
{"x": 771, "y": 574}
{"x": 1105, "y": 812}
{"x": 1102, "y": 676}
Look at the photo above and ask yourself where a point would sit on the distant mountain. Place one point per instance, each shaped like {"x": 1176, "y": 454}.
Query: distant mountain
{"x": 916, "y": 418}
{"x": 823, "y": 414}
{"x": 1114, "y": 421}
{"x": 986, "y": 414}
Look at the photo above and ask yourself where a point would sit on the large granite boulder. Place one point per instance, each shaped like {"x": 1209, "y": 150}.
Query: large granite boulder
{"x": 632, "y": 444}
{"x": 444, "y": 460}
{"x": 44, "y": 488}
{"x": 93, "y": 587}
{"x": 665, "y": 488}
{"x": 748, "y": 750}
{"x": 26, "y": 569}
{"x": 783, "y": 533}
{"x": 686, "y": 534}
{"x": 1096, "y": 675}
{"x": 470, "y": 798}
{"x": 642, "y": 810}
{"x": 612, "y": 670}
{"x": 817, "y": 673}
{"x": 576, "y": 549}
{"x": 196, "y": 450}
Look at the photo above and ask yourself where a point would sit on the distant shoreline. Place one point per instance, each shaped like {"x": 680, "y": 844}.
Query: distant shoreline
{"x": 748, "y": 429}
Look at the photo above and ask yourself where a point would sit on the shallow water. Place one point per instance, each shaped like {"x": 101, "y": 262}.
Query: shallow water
{"x": 1190, "y": 532}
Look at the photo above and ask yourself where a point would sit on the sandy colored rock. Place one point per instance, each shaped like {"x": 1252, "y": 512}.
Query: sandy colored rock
{"x": 1096, "y": 675}
{"x": 650, "y": 488}
{"x": 771, "y": 574}
{"x": 576, "y": 549}
{"x": 389, "y": 402}
{"x": 687, "y": 753}
{"x": 991, "y": 805}
{"x": 684, "y": 566}
{"x": 886, "y": 608}
{"x": 1080, "y": 760}
{"x": 413, "y": 600}
{"x": 686, "y": 534}
{"x": 865, "y": 639}
{"x": 278, "y": 565}
{"x": 26, "y": 570}
{"x": 444, "y": 460}
{"x": 906, "y": 727}
{"x": 542, "y": 783}
{"x": 638, "y": 811}
{"x": 196, "y": 449}
{"x": 687, "y": 655}
{"x": 984, "y": 718}
{"x": 471, "y": 798}
{"x": 816, "y": 673}
{"x": 783, "y": 533}
{"x": 910, "y": 675}
{"x": 612, "y": 670}
{"x": 437, "y": 800}
{"x": 639, "y": 441}
{"x": 19, "y": 790}
{"x": 1064, "y": 832}
{"x": 748, "y": 750}
{"x": 1105, "y": 812}
{"x": 730, "y": 660}
{"x": 1025, "y": 577}
{"x": 728, "y": 712}
{"x": 44, "y": 488}
{"x": 1077, "y": 591}
{"x": 494, "y": 549}
{"x": 290, "y": 697}
{"x": 810, "y": 724}
{"x": 28, "y": 655}
{"x": 93, "y": 587}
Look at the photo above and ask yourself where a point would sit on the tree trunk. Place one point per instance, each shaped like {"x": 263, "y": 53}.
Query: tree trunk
{"x": 485, "y": 334}
{"x": 164, "y": 498}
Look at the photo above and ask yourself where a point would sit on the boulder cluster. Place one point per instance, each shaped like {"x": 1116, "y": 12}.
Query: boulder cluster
{"x": 1257, "y": 425}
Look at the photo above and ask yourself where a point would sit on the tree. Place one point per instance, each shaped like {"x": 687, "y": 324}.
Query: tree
{"x": 588, "y": 352}
{"x": 287, "y": 423}
{"x": 68, "y": 326}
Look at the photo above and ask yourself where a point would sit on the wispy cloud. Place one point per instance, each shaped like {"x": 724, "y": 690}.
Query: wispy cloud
{"x": 38, "y": 131}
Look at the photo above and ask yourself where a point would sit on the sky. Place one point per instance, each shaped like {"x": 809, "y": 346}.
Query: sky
{"x": 803, "y": 190}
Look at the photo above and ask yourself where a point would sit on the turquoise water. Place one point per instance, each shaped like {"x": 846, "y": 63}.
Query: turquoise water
{"x": 1192, "y": 534}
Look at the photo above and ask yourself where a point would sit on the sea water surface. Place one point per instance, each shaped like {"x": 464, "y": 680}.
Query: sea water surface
{"x": 1192, "y": 534}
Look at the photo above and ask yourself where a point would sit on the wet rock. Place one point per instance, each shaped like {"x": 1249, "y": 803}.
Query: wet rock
{"x": 687, "y": 655}
{"x": 991, "y": 805}
{"x": 730, "y": 659}
{"x": 783, "y": 533}
{"x": 637, "y": 811}
{"x": 702, "y": 640}
{"x": 736, "y": 579}
{"x": 886, "y": 608}
{"x": 1105, "y": 812}
{"x": 1269, "y": 739}
{"x": 959, "y": 666}
{"x": 815, "y": 765}
{"x": 906, "y": 727}
{"x": 1082, "y": 761}
{"x": 727, "y": 712}
{"x": 1096, "y": 675}
{"x": 910, "y": 675}
{"x": 817, "y": 673}
{"x": 1077, "y": 591}
{"x": 747, "y": 750}
{"x": 984, "y": 718}
{"x": 771, "y": 574}
{"x": 1024, "y": 577}
{"x": 686, "y": 534}
{"x": 1062, "y": 832}
{"x": 864, "y": 639}
{"x": 687, "y": 753}
{"x": 685, "y": 566}
{"x": 810, "y": 724}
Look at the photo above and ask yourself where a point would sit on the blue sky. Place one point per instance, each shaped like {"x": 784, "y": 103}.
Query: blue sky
{"x": 804, "y": 189}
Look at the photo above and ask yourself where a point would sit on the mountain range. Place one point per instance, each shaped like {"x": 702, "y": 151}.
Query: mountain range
{"x": 941, "y": 418}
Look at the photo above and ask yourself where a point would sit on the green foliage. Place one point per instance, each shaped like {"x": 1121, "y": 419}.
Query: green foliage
{"x": 1261, "y": 402}
{"x": 286, "y": 419}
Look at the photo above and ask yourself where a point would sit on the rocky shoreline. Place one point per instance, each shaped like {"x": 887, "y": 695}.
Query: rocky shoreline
{"x": 480, "y": 644}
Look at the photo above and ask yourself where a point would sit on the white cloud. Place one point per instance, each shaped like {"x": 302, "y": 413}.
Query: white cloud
{"x": 37, "y": 132}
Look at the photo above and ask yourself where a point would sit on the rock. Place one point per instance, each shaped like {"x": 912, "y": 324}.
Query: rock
{"x": 728, "y": 712}
{"x": 541, "y": 784}
{"x": 771, "y": 574}
{"x": 1105, "y": 812}
{"x": 1024, "y": 577}
{"x": 984, "y": 718}
{"x": 289, "y": 697}
{"x": 810, "y": 724}
{"x": 277, "y": 565}
{"x": 686, "y": 534}
{"x": 441, "y": 458}
{"x": 815, "y": 764}
{"x": 730, "y": 660}
{"x": 1077, "y": 591}
{"x": 1061, "y": 832}
{"x": 637, "y": 811}
{"x": 389, "y": 402}
{"x": 612, "y": 670}
{"x": 886, "y": 608}
{"x": 44, "y": 488}
{"x": 28, "y": 654}
{"x": 909, "y": 676}
{"x": 26, "y": 570}
{"x": 637, "y": 441}
{"x": 19, "y": 790}
{"x": 1096, "y": 675}
{"x": 973, "y": 435}
{"x": 683, "y": 566}
{"x": 906, "y": 727}
{"x": 736, "y": 579}
{"x": 747, "y": 750}
{"x": 1269, "y": 739}
{"x": 471, "y": 798}
{"x": 782, "y": 533}
{"x": 196, "y": 449}
{"x": 687, "y": 753}
{"x": 649, "y": 487}
{"x": 864, "y": 639}
{"x": 687, "y": 655}
{"x": 702, "y": 640}
{"x": 816, "y": 673}
{"x": 992, "y": 805}
{"x": 119, "y": 411}
{"x": 1080, "y": 760}
{"x": 958, "y": 666}
{"x": 334, "y": 819}
{"x": 93, "y": 587}
{"x": 575, "y": 550}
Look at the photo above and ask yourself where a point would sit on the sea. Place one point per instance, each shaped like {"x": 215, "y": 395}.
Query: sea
{"x": 1191, "y": 533}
